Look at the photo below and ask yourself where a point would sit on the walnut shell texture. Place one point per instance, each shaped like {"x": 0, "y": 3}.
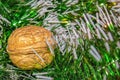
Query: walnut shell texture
{"x": 27, "y": 47}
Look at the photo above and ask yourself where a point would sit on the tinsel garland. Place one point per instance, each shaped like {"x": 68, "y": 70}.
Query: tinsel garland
{"x": 87, "y": 34}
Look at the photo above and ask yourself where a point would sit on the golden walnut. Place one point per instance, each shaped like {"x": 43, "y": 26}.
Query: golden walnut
{"x": 28, "y": 47}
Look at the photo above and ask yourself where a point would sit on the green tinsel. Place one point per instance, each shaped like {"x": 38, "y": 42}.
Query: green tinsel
{"x": 66, "y": 65}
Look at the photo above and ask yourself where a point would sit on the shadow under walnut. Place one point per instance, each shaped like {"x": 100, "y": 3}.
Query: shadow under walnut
{"x": 27, "y": 47}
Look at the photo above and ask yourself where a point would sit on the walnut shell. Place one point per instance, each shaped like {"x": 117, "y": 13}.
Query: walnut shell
{"x": 27, "y": 47}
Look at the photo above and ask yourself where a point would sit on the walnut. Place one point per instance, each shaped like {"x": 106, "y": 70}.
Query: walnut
{"x": 27, "y": 47}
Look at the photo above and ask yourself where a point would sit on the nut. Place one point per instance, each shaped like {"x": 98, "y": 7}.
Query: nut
{"x": 27, "y": 47}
